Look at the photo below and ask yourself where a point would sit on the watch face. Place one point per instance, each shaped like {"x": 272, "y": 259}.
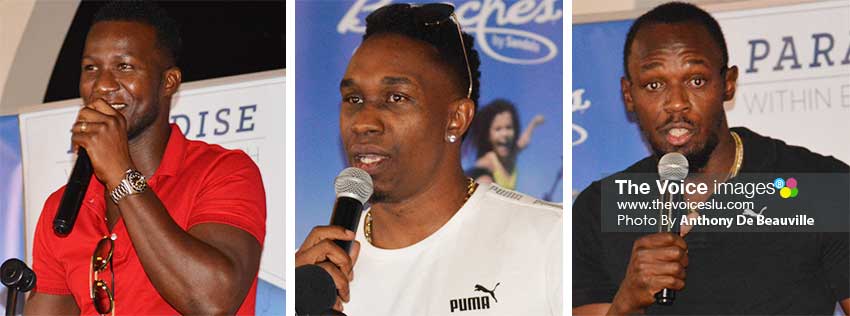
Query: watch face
{"x": 137, "y": 180}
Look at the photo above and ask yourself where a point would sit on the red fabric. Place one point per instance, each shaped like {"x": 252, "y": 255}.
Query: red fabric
{"x": 197, "y": 183}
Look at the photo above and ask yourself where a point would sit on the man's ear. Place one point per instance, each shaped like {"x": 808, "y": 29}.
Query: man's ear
{"x": 460, "y": 117}
{"x": 731, "y": 83}
{"x": 625, "y": 89}
{"x": 172, "y": 78}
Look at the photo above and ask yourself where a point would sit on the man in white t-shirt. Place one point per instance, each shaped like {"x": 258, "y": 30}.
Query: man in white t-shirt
{"x": 433, "y": 242}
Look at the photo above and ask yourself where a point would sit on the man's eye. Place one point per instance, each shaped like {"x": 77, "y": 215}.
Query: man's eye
{"x": 654, "y": 86}
{"x": 697, "y": 82}
{"x": 354, "y": 99}
{"x": 125, "y": 67}
{"x": 395, "y": 98}
{"x": 89, "y": 68}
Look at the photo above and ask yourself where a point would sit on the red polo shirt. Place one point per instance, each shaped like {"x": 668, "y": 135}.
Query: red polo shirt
{"x": 197, "y": 182}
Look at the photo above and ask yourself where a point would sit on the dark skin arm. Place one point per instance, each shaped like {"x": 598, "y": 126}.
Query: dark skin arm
{"x": 49, "y": 304}
{"x": 207, "y": 270}
{"x": 845, "y": 305}
{"x": 658, "y": 261}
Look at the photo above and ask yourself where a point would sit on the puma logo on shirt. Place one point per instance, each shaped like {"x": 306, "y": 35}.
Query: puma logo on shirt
{"x": 476, "y": 302}
{"x": 485, "y": 290}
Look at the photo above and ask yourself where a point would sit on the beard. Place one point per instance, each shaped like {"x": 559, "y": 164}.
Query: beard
{"x": 145, "y": 121}
{"x": 378, "y": 197}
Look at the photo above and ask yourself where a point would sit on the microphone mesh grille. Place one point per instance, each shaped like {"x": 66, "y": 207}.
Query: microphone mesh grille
{"x": 673, "y": 166}
{"x": 354, "y": 183}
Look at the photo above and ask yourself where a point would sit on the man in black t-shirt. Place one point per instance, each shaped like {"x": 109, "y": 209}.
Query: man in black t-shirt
{"x": 676, "y": 80}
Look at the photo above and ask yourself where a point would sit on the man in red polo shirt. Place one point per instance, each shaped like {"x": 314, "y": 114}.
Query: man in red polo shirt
{"x": 168, "y": 225}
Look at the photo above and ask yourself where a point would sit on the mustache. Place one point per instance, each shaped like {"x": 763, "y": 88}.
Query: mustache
{"x": 676, "y": 121}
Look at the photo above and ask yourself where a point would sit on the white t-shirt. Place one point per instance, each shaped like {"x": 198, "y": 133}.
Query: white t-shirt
{"x": 500, "y": 254}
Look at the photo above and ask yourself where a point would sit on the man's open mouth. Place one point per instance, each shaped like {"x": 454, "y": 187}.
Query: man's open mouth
{"x": 369, "y": 162}
{"x": 678, "y": 136}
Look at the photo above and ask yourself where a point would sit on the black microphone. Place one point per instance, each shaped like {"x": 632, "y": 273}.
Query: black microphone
{"x": 15, "y": 275}
{"x": 74, "y": 193}
{"x": 672, "y": 167}
{"x": 315, "y": 292}
{"x": 353, "y": 188}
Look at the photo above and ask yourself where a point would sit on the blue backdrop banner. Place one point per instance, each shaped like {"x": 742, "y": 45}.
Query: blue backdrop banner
{"x": 11, "y": 195}
{"x": 605, "y": 138}
{"x": 519, "y": 43}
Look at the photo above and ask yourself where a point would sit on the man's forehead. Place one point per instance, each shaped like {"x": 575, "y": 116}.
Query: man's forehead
{"x": 674, "y": 37}
{"x": 394, "y": 58}
{"x": 133, "y": 33}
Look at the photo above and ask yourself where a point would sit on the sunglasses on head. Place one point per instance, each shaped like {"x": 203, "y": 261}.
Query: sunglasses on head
{"x": 432, "y": 14}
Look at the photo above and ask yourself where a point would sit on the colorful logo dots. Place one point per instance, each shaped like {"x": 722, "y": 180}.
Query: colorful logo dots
{"x": 779, "y": 183}
{"x": 787, "y": 188}
{"x": 791, "y": 183}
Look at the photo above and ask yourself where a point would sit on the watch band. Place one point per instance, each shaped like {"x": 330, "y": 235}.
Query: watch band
{"x": 133, "y": 183}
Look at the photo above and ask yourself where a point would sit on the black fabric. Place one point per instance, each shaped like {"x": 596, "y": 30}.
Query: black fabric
{"x": 728, "y": 273}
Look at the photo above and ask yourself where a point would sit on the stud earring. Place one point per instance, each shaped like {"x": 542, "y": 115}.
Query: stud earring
{"x": 452, "y": 138}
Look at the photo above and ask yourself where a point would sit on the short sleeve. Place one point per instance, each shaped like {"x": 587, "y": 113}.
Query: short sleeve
{"x": 591, "y": 284}
{"x": 49, "y": 270}
{"x": 232, "y": 193}
{"x": 834, "y": 257}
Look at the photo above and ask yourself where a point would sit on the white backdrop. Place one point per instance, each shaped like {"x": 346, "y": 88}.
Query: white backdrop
{"x": 807, "y": 105}
{"x": 241, "y": 112}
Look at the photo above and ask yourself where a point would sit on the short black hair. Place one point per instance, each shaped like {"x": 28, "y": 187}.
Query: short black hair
{"x": 399, "y": 19}
{"x": 480, "y": 131}
{"x": 147, "y": 12}
{"x": 672, "y": 13}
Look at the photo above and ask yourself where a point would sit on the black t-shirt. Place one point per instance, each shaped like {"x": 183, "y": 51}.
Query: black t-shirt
{"x": 728, "y": 273}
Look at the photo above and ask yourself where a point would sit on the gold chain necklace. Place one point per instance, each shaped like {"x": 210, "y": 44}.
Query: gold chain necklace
{"x": 367, "y": 225}
{"x": 736, "y": 166}
{"x": 739, "y": 156}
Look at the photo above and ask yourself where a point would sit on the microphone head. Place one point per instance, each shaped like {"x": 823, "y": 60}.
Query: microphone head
{"x": 354, "y": 183}
{"x": 673, "y": 166}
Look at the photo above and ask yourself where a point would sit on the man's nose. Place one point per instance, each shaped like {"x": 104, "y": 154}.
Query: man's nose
{"x": 105, "y": 83}
{"x": 368, "y": 121}
{"x": 677, "y": 100}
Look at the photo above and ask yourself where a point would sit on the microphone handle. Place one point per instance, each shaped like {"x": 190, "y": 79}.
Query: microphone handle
{"x": 11, "y": 302}
{"x": 666, "y": 296}
{"x": 74, "y": 193}
{"x": 346, "y": 214}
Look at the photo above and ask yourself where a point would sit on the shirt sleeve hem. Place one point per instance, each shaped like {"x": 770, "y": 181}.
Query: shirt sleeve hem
{"x": 52, "y": 290}
{"x": 247, "y": 226}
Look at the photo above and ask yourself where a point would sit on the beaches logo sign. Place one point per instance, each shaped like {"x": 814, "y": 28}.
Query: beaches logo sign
{"x": 505, "y": 41}
{"x": 787, "y": 188}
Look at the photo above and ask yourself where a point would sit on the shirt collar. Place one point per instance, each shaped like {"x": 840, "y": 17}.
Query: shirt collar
{"x": 175, "y": 152}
